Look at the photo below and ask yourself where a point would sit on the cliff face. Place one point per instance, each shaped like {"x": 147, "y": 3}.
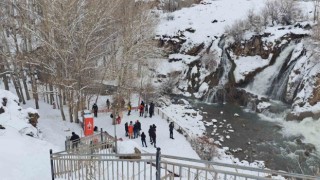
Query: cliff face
{"x": 298, "y": 89}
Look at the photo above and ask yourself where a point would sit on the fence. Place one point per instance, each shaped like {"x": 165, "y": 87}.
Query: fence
{"x": 95, "y": 159}
{"x": 154, "y": 166}
{"x": 177, "y": 126}
{"x": 88, "y": 141}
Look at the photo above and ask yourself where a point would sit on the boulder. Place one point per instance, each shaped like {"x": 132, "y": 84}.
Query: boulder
{"x": 33, "y": 119}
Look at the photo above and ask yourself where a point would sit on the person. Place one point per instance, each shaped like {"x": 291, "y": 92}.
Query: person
{"x": 171, "y": 126}
{"x": 142, "y": 103}
{"x": 141, "y": 110}
{"x": 126, "y": 128}
{"x": 153, "y": 135}
{"x": 130, "y": 130}
{"x": 150, "y": 132}
{"x": 108, "y": 104}
{"x": 151, "y": 109}
{"x": 118, "y": 119}
{"x": 75, "y": 139}
{"x": 135, "y": 130}
{"x": 139, "y": 127}
{"x": 95, "y": 109}
{"x": 129, "y": 108}
{"x": 143, "y": 139}
{"x": 146, "y": 111}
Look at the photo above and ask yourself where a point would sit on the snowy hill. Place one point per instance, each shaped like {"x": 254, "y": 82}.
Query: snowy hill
{"x": 22, "y": 156}
{"x": 201, "y": 42}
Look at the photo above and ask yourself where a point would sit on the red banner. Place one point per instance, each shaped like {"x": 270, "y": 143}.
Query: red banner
{"x": 88, "y": 126}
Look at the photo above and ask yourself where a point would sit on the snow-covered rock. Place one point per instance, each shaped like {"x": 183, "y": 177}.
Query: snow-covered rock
{"x": 15, "y": 116}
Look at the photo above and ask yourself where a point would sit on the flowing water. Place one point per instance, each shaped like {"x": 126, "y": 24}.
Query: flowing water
{"x": 264, "y": 80}
{"x": 250, "y": 137}
{"x": 218, "y": 93}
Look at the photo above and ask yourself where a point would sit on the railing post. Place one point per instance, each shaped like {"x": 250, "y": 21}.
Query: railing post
{"x": 101, "y": 135}
{"x": 51, "y": 164}
{"x": 158, "y": 159}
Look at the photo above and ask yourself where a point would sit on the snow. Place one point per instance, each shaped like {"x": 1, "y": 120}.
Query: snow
{"x": 187, "y": 118}
{"x": 186, "y": 59}
{"x": 246, "y": 65}
{"x": 202, "y": 90}
{"x": 263, "y": 105}
{"x": 27, "y": 158}
{"x": 200, "y": 18}
{"x": 127, "y": 147}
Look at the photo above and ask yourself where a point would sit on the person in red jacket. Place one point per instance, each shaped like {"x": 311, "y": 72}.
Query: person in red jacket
{"x": 141, "y": 110}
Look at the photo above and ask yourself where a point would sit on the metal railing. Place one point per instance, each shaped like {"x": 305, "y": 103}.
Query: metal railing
{"x": 88, "y": 141}
{"x": 94, "y": 158}
{"x": 147, "y": 166}
{"x": 177, "y": 126}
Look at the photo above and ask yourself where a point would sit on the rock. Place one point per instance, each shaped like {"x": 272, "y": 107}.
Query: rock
{"x": 236, "y": 115}
{"x": 183, "y": 101}
{"x": 298, "y": 141}
{"x": 191, "y": 30}
{"x": 214, "y": 21}
{"x": 33, "y": 119}
{"x": 137, "y": 155}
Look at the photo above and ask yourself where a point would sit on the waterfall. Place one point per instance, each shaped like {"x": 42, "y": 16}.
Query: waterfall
{"x": 263, "y": 81}
{"x": 280, "y": 85}
{"x": 218, "y": 93}
{"x": 226, "y": 65}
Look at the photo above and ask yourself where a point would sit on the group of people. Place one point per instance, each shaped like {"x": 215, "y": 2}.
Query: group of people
{"x": 132, "y": 130}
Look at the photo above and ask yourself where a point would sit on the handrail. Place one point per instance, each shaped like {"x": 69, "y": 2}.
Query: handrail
{"x": 185, "y": 166}
{"x": 99, "y": 160}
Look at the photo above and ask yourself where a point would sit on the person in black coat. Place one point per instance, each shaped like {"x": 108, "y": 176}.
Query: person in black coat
{"x": 153, "y": 135}
{"x": 108, "y": 104}
{"x": 126, "y": 128}
{"x": 171, "y": 127}
{"x": 75, "y": 139}
{"x": 151, "y": 109}
{"x": 146, "y": 110}
{"x": 150, "y": 132}
{"x": 95, "y": 109}
{"x": 139, "y": 127}
{"x": 135, "y": 130}
{"x": 143, "y": 139}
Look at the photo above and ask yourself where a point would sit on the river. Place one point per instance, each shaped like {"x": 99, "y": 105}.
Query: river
{"x": 250, "y": 137}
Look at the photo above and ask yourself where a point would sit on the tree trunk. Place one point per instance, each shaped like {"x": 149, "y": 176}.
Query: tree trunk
{"x": 24, "y": 81}
{"x": 16, "y": 87}
{"x": 34, "y": 91}
{"x": 5, "y": 82}
{"x": 4, "y": 77}
{"x": 22, "y": 96}
{"x": 60, "y": 102}
{"x": 64, "y": 97}
{"x": 76, "y": 110}
{"x": 47, "y": 96}
{"x": 51, "y": 93}
{"x": 70, "y": 102}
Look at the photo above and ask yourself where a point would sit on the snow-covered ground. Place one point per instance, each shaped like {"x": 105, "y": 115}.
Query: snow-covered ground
{"x": 28, "y": 158}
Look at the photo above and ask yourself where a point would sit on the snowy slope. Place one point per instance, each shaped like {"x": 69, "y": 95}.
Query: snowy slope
{"x": 22, "y": 156}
